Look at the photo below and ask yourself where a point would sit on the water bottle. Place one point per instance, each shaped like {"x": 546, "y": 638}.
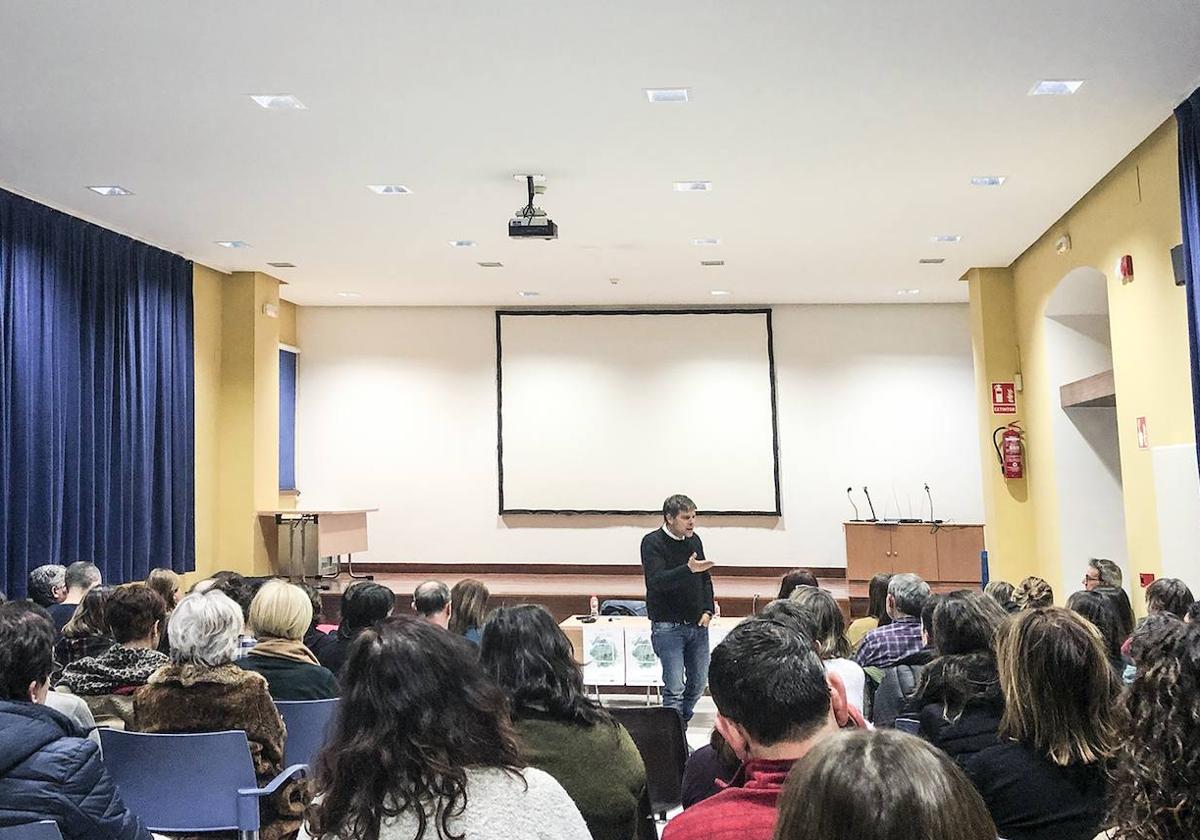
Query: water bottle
{"x": 716, "y": 609}
{"x": 594, "y": 607}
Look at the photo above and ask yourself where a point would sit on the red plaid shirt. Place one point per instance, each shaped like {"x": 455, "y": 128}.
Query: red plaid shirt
{"x": 746, "y": 810}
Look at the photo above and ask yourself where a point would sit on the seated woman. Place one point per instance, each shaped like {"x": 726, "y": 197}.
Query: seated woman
{"x": 86, "y": 634}
{"x": 560, "y": 729}
{"x": 794, "y": 578}
{"x": 202, "y": 690}
{"x": 279, "y": 616}
{"x": 48, "y": 771}
{"x": 824, "y": 622}
{"x": 1156, "y": 773}
{"x": 958, "y": 698}
{"x": 1001, "y": 591}
{"x": 1033, "y": 592}
{"x": 1096, "y": 608}
{"x": 363, "y": 604}
{"x": 107, "y": 681}
{"x": 877, "y": 614}
{"x": 167, "y": 584}
{"x": 1046, "y": 779}
{"x": 423, "y": 747}
{"x": 912, "y": 791}
{"x": 468, "y": 608}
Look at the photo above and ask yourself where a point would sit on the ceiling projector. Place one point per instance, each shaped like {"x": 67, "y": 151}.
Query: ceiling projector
{"x": 531, "y": 222}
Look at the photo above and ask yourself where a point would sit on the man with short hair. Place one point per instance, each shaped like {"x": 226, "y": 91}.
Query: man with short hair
{"x": 885, "y": 646}
{"x": 47, "y": 584}
{"x": 679, "y": 603}
{"x": 774, "y": 703}
{"x": 1101, "y": 572}
{"x": 431, "y": 601}
{"x": 79, "y": 579}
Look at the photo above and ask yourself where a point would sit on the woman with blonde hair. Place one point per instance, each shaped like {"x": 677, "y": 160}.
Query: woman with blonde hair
{"x": 1046, "y": 779}
{"x": 280, "y": 615}
{"x": 1033, "y": 592}
{"x": 823, "y": 620}
{"x": 468, "y": 608}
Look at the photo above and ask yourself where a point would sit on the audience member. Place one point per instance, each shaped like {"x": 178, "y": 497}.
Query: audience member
{"x": 241, "y": 590}
{"x": 559, "y": 728}
{"x": 423, "y": 747}
{"x": 279, "y": 615}
{"x": 431, "y": 601}
{"x": 877, "y": 614}
{"x": 886, "y": 645}
{"x": 1193, "y": 613}
{"x": 47, "y": 585}
{"x": 794, "y": 578}
{"x": 774, "y": 702}
{"x": 1002, "y": 592}
{"x": 202, "y": 690}
{"x": 899, "y": 682}
{"x": 1046, "y": 780}
{"x": 826, "y": 626}
{"x": 880, "y": 786}
{"x": 48, "y": 771}
{"x": 78, "y": 578}
{"x": 708, "y": 770}
{"x": 1149, "y": 642}
{"x": 363, "y": 604}
{"x": 468, "y": 608}
{"x": 1168, "y": 595}
{"x": 87, "y": 633}
{"x": 959, "y": 702}
{"x": 1118, "y": 599}
{"x": 1157, "y": 767}
{"x": 166, "y": 583}
{"x": 1032, "y": 593}
{"x": 134, "y": 614}
{"x": 1102, "y": 572}
{"x": 315, "y": 639}
{"x": 1096, "y": 608}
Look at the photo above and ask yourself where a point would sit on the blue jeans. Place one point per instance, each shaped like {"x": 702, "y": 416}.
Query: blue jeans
{"x": 683, "y": 651}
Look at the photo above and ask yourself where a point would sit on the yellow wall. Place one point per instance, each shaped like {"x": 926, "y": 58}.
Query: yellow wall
{"x": 1134, "y": 210}
{"x": 287, "y": 323}
{"x": 206, "y": 305}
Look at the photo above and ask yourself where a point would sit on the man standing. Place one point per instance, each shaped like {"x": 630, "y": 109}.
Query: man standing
{"x": 431, "y": 601}
{"x": 679, "y": 602}
{"x": 80, "y": 578}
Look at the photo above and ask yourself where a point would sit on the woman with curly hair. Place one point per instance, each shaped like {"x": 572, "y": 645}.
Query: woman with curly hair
{"x": 1157, "y": 769}
{"x": 423, "y": 747}
{"x": 1033, "y": 592}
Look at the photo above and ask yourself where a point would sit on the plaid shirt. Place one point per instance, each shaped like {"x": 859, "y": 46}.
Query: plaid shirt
{"x": 884, "y": 646}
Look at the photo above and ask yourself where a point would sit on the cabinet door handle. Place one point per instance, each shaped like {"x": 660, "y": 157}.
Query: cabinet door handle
{"x": 889, "y": 554}
{"x": 897, "y": 554}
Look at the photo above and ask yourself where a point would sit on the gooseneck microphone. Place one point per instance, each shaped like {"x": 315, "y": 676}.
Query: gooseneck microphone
{"x": 856, "y": 518}
{"x": 930, "y": 495}
{"x": 871, "y": 505}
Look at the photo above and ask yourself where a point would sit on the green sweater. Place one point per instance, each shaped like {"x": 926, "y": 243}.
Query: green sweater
{"x": 599, "y": 767}
{"x": 290, "y": 680}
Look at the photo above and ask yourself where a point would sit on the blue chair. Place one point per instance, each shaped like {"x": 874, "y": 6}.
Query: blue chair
{"x": 307, "y": 723}
{"x": 189, "y": 783}
{"x": 44, "y": 830}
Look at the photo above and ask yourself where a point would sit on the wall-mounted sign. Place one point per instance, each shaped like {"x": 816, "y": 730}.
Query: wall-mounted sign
{"x": 1004, "y": 398}
{"x": 1143, "y": 435}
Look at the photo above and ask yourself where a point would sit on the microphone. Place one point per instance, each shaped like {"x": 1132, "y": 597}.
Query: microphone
{"x": 932, "y": 521}
{"x": 754, "y": 604}
{"x": 856, "y": 518}
{"x": 871, "y": 505}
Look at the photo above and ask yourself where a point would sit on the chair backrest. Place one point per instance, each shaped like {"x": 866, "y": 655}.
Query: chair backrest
{"x": 44, "y": 830}
{"x": 661, "y": 738}
{"x": 180, "y": 783}
{"x": 307, "y": 723}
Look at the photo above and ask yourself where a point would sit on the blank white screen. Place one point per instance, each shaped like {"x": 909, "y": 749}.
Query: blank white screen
{"x": 616, "y": 412}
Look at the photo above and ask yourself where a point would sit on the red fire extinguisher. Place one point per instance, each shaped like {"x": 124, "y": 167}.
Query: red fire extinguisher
{"x": 1010, "y": 449}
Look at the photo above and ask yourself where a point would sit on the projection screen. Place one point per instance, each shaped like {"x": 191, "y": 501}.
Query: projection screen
{"x": 612, "y": 411}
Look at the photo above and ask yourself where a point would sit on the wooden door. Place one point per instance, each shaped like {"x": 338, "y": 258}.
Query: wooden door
{"x": 958, "y": 548}
{"x": 915, "y": 550}
{"x": 868, "y": 550}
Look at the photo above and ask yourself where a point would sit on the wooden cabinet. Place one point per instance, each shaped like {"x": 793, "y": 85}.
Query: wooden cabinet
{"x": 939, "y": 554}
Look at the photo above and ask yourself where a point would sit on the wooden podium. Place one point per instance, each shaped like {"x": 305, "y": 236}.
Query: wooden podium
{"x": 310, "y": 543}
{"x": 939, "y": 553}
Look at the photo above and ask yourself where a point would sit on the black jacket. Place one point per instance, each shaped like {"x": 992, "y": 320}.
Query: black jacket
{"x": 898, "y": 686}
{"x": 48, "y": 772}
{"x": 673, "y": 591}
{"x": 960, "y": 704}
{"x": 290, "y": 680}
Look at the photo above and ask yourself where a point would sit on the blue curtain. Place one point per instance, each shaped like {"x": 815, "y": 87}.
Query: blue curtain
{"x": 96, "y": 415}
{"x": 287, "y": 420}
{"x": 1187, "y": 116}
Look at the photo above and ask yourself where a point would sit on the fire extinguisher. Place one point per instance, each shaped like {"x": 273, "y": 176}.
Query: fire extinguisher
{"x": 1010, "y": 449}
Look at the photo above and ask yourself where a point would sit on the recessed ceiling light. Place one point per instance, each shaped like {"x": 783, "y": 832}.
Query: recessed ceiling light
{"x": 112, "y": 190}
{"x": 667, "y": 94}
{"x": 389, "y": 189}
{"x": 349, "y": 294}
{"x": 462, "y": 243}
{"x": 908, "y": 291}
{"x": 707, "y": 240}
{"x": 988, "y": 180}
{"x": 490, "y": 264}
{"x": 946, "y": 237}
{"x": 233, "y": 243}
{"x": 1056, "y": 87}
{"x": 931, "y": 260}
{"x": 278, "y": 102}
{"x": 281, "y": 265}
{"x": 712, "y": 263}
{"x": 692, "y": 186}
{"x": 720, "y": 292}
{"x": 529, "y": 294}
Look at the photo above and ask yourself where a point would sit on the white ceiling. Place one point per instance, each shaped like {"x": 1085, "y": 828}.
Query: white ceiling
{"x": 839, "y": 136}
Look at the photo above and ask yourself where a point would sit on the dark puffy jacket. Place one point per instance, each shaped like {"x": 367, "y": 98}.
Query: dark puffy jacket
{"x": 47, "y": 772}
{"x": 961, "y": 704}
{"x": 898, "y": 686}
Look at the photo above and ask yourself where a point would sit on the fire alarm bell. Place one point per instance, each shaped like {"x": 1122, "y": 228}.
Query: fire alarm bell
{"x": 1125, "y": 268}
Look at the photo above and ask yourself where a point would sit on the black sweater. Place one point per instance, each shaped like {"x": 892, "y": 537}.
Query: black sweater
{"x": 673, "y": 591}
